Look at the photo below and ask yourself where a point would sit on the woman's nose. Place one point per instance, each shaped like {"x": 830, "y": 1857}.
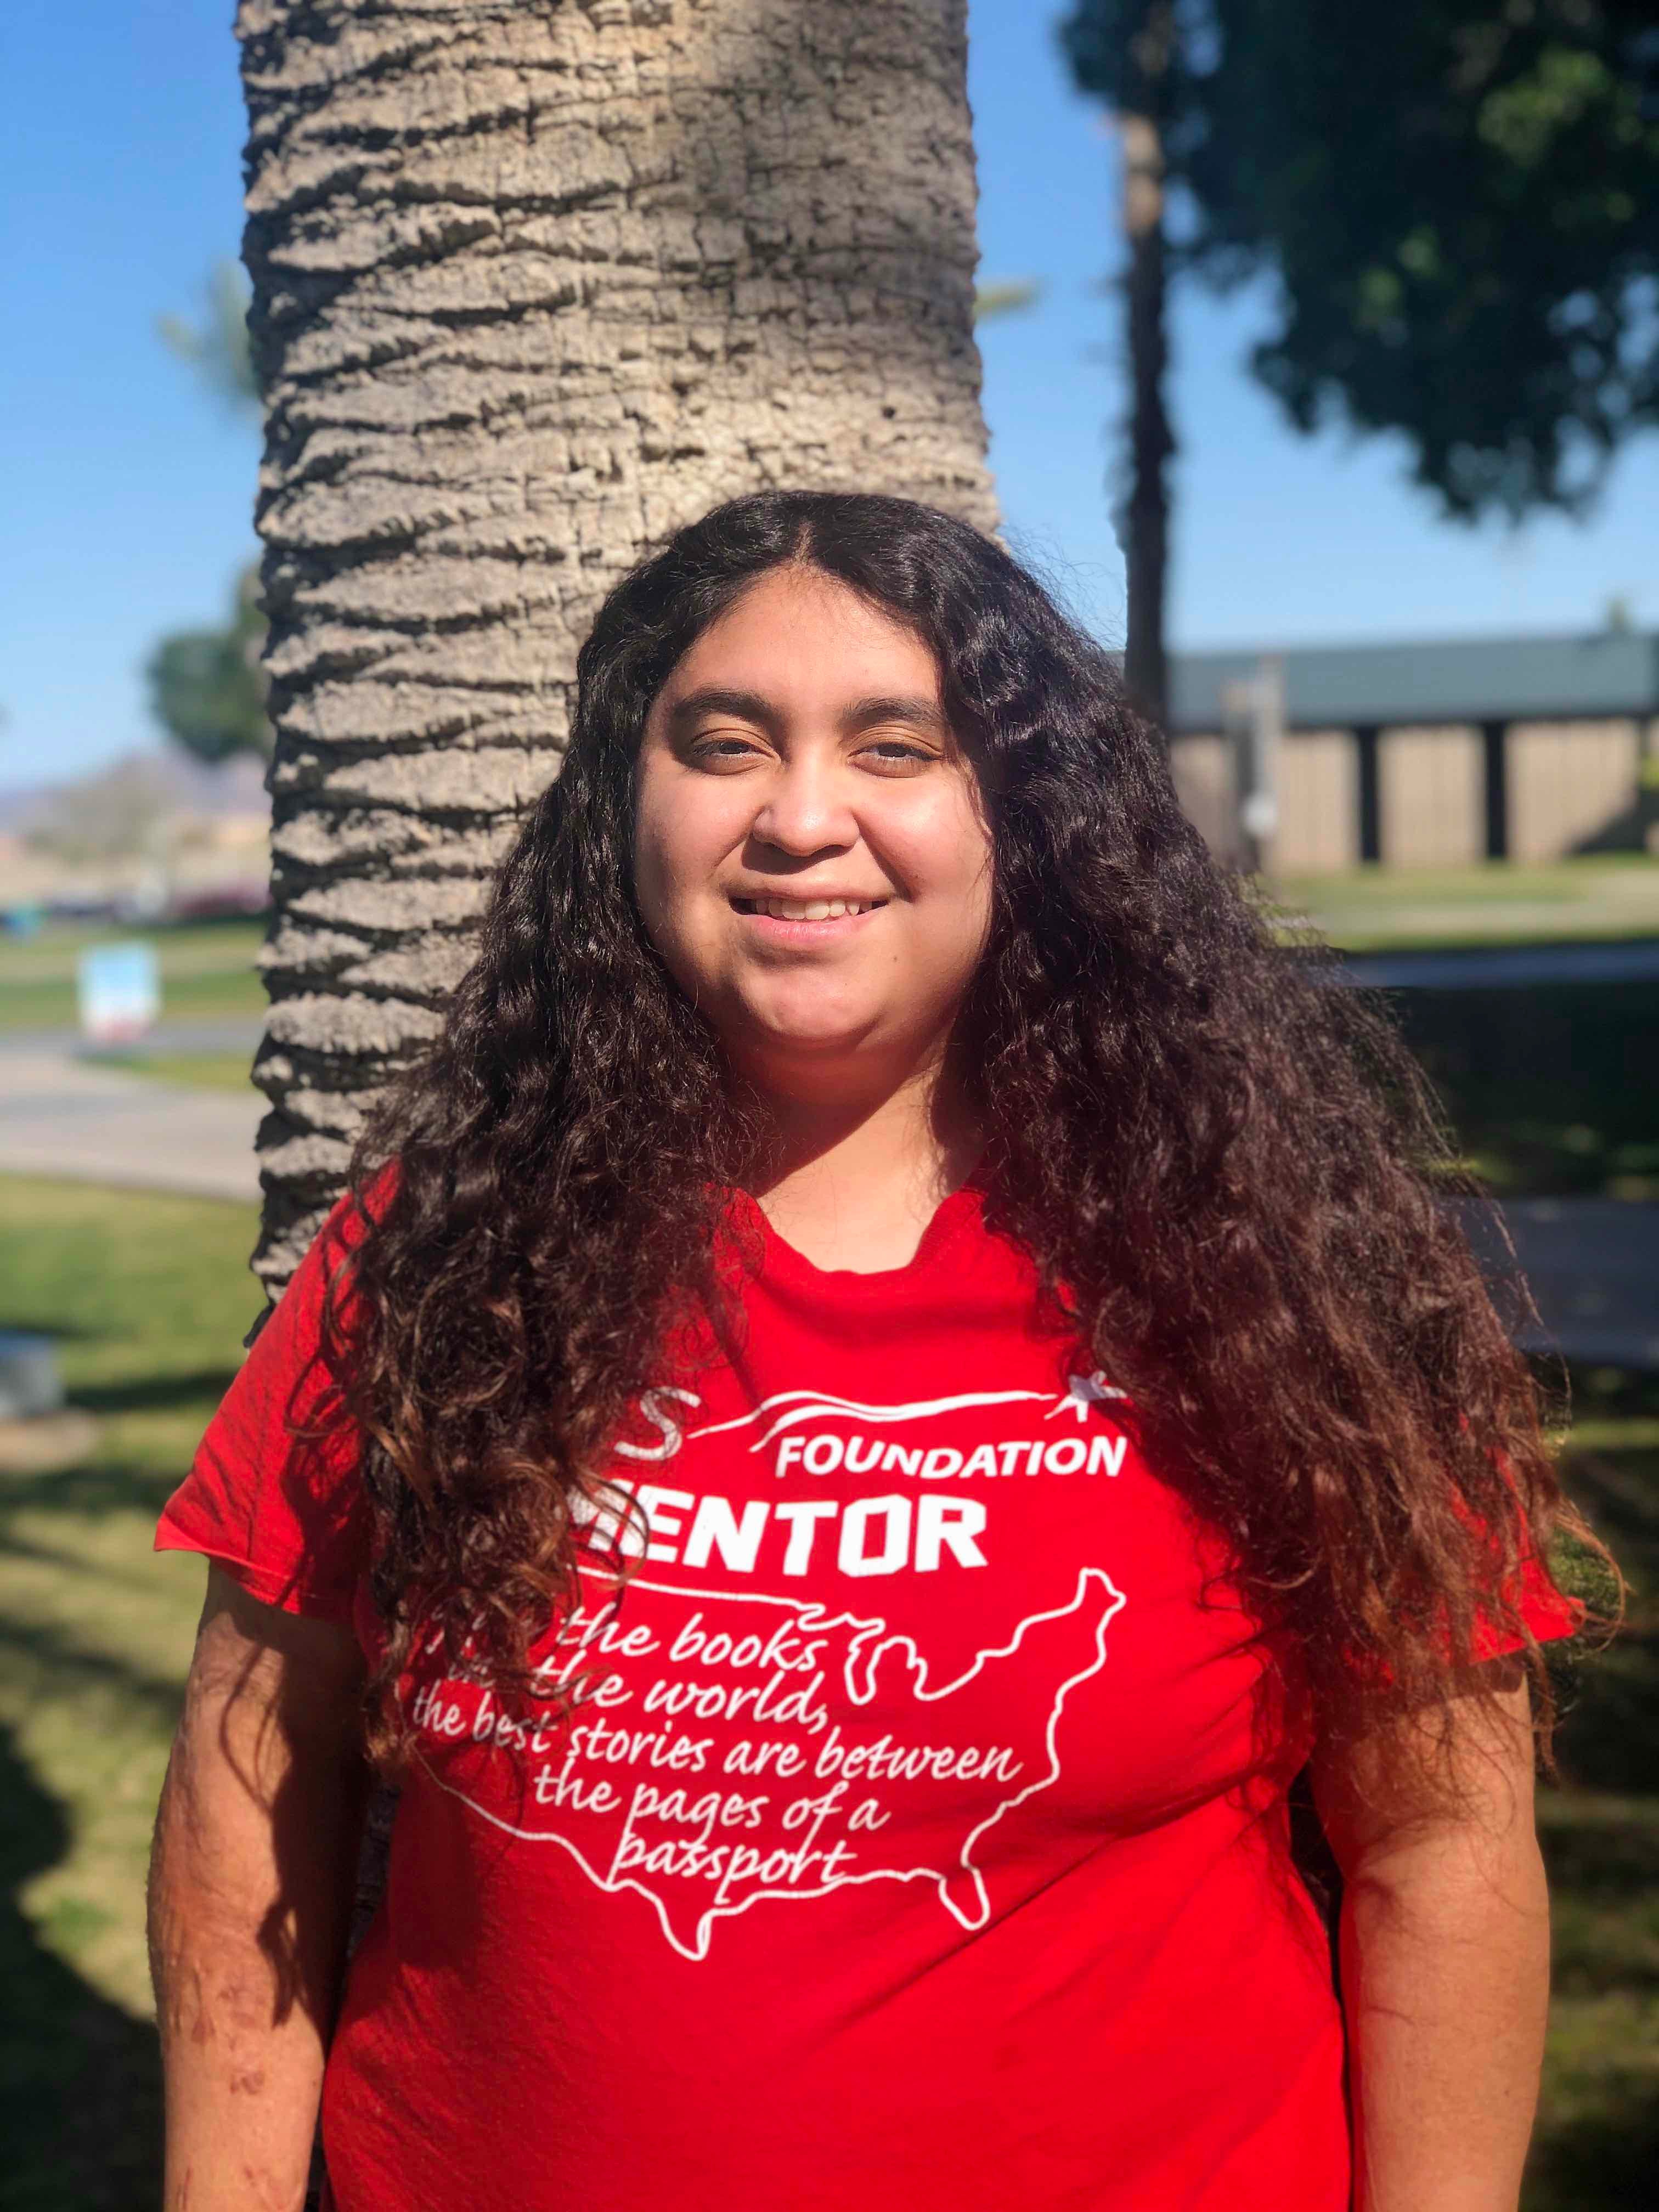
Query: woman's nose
{"x": 805, "y": 811}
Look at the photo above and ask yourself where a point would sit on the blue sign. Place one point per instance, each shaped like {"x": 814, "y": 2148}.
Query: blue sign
{"x": 120, "y": 991}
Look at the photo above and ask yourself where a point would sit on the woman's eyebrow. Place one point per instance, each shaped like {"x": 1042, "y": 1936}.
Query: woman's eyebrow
{"x": 921, "y": 712}
{"x": 712, "y": 699}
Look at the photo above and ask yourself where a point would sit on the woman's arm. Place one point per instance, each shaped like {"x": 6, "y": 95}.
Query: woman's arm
{"x": 1445, "y": 1954}
{"x": 250, "y": 1897}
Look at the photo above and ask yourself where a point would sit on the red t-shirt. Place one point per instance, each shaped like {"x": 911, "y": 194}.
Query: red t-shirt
{"x": 919, "y": 1838}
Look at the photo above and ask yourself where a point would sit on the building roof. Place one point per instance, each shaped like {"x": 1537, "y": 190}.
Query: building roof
{"x": 1446, "y": 680}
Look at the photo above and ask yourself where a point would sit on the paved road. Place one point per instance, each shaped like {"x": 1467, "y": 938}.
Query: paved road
{"x": 234, "y": 1033}
{"x": 1505, "y": 967}
{"x": 60, "y": 1116}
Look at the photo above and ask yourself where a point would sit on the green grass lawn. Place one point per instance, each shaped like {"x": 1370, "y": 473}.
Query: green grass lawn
{"x": 148, "y": 1296}
{"x": 196, "y": 1071}
{"x": 207, "y": 972}
{"x": 1598, "y": 2140}
{"x": 1499, "y": 902}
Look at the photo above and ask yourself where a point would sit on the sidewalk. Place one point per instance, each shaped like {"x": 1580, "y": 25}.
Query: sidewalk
{"x": 61, "y": 1115}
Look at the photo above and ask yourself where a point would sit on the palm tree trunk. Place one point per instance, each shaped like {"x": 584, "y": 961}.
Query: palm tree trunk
{"x": 532, "y": 285}
{"x": 1151, "y": 440}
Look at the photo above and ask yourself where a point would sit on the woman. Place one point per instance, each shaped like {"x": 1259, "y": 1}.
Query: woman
{"x": 895, "y": 1379}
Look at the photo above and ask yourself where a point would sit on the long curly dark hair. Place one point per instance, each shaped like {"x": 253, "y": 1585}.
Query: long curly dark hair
{"x": 1228, "y": 1172}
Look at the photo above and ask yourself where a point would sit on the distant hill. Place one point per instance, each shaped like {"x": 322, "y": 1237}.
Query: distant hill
{"x": 237, "y": 787}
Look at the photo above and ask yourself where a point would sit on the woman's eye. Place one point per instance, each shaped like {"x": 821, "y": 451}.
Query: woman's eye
{"x": 901, "y": 755}
{"x": 724, "y": 751}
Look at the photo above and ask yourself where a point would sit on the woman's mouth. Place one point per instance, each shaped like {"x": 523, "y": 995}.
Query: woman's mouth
{"x": 816, "y": 910}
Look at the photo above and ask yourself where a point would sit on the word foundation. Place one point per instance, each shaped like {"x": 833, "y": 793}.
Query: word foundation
{"x": 823, "y": 1454}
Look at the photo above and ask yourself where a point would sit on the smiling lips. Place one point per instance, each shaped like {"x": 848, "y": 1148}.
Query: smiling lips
{"x": 818, "y": 909}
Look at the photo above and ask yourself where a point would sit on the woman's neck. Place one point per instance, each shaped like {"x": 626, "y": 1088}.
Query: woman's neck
{"x": 855, "y": 1185}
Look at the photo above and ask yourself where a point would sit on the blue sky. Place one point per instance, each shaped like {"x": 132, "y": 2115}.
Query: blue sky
{"x": 127, "y": 492}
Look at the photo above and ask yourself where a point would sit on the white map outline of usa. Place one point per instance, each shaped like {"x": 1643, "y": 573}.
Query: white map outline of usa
{"x": 868, "y": 1644}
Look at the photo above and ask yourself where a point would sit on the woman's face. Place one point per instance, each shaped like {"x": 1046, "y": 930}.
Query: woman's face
{"x": 811, "y": 856}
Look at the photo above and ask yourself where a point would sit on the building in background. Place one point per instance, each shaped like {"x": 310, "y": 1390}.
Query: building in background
{"x": 1308, "y": 762}
{"x": 1438, "y": 754}
{"x": 153, "y": 836}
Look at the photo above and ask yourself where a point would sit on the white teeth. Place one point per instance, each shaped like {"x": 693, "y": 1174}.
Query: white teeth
{"x": 811, "y": 909}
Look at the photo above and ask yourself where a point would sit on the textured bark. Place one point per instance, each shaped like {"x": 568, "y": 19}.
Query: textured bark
{"x": 535, "y": 282}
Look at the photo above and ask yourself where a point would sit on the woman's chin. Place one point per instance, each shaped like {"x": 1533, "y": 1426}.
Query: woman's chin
{"x": 777, "y": 1040}
{"x": 826, "y": 1046}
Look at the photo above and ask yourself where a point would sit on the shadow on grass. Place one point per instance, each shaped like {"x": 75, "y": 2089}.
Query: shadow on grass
{"x": 154, "y": 1394}
{"x": 1600, "y": 1838}
{"x": 94, "y": 1487}
{"x": 91, "y": 1490}
{"x": 60, "y": 1332}
{"x": 80, "y": 2079}
{"x": 1606, "y": 1864}
{"x": 1609, "y": 1738}
{"x": 138, "y": 1688}
{"x": 69, "y": 1558}
{"x": 1552, "y": 1087}
{"x": 1604, "y": 2160}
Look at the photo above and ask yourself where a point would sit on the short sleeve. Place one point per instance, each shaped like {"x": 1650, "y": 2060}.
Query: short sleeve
{"x": 1523, "y": 1587}
{"x": 1548, "y": 1611}
{"x": 282, "y": 1512}
{"x": 1520, "y": 1591}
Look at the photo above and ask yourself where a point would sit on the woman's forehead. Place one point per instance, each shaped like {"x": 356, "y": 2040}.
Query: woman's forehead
{"x": 795, "y": 631}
